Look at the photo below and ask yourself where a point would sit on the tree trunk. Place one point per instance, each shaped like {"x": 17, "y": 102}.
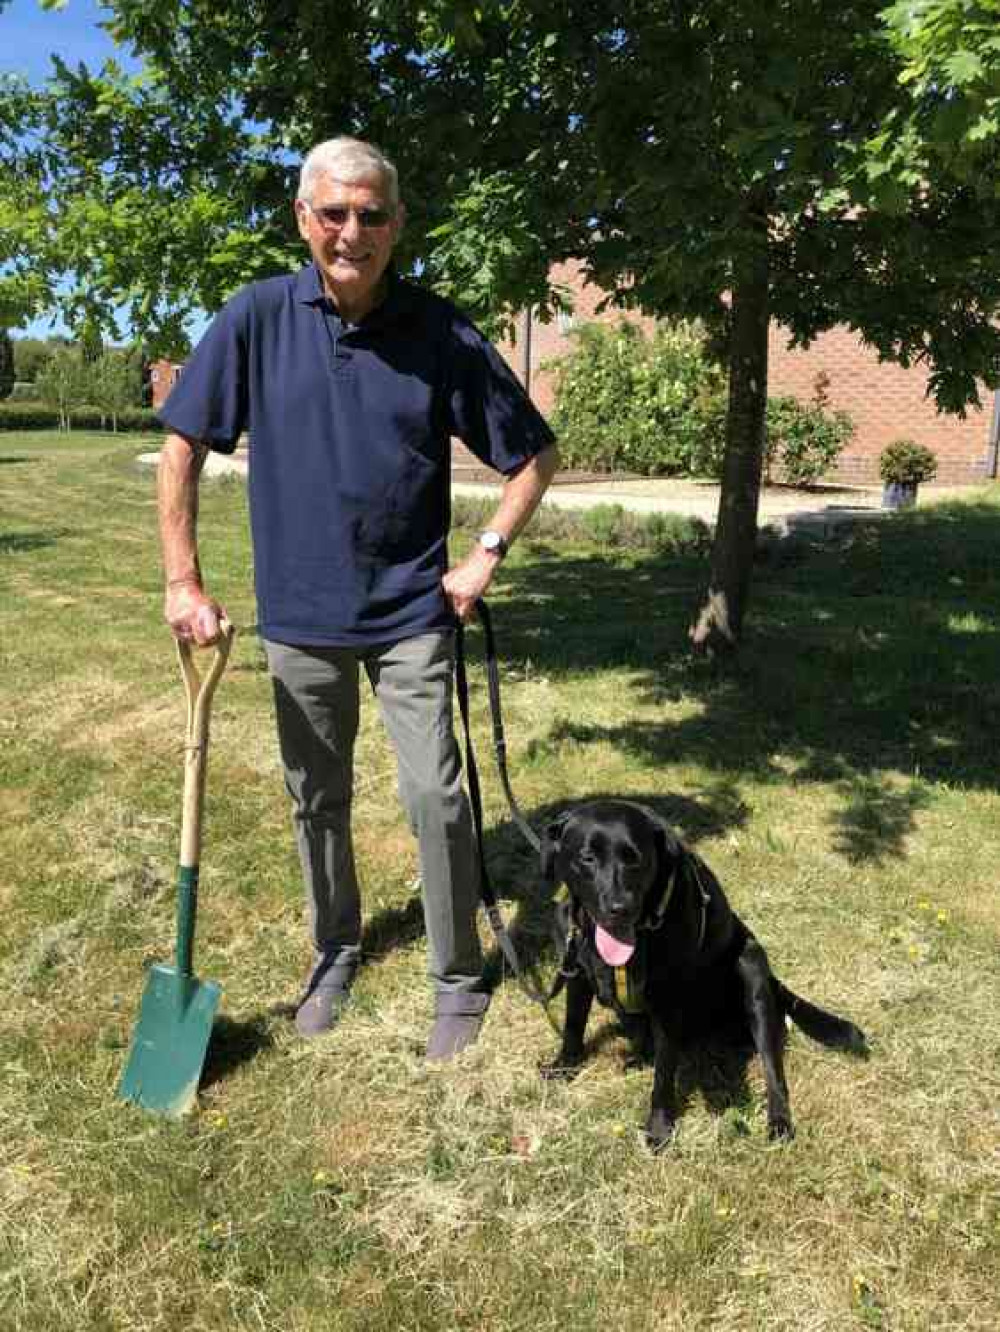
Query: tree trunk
{"x": 719, "y": 623}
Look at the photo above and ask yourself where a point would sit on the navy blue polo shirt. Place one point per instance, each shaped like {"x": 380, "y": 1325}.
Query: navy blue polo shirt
{"x": 350, "y": 441}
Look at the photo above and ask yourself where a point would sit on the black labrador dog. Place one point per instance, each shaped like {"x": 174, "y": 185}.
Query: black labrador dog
{"x": 648, "y": 931}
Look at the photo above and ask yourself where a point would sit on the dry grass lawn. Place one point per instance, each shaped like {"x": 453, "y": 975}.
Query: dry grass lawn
{"x": 843, "y": 783}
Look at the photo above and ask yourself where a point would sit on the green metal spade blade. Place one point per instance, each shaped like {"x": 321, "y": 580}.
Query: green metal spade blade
{"x": 175, "y": 1020}
{"x": 170, "y": 1042}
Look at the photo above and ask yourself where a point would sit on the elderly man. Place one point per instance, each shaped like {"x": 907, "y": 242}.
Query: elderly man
{"x": 351, "y": 383}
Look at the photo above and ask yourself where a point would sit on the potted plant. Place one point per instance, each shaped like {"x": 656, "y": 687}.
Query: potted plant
{"x": 902, "y": 465}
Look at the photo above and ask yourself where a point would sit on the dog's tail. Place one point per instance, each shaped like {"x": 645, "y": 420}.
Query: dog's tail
{"x": 824, "y": 1027}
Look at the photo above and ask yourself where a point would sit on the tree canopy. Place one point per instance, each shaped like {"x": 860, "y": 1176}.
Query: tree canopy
{"x": 638, "y": 137}
{"x": 735, "y": 160}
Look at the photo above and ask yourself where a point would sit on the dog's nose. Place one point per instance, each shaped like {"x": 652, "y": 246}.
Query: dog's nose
{"x": 618, "y": 901}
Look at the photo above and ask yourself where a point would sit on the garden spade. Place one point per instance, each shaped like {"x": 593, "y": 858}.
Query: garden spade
{"x": 171, "y": 1038}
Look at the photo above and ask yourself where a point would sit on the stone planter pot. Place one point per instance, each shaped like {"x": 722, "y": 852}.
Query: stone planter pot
{"x": 899, "y": 494}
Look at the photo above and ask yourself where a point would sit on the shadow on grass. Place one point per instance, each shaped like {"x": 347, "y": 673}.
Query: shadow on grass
{"x": 393, "y": 927}
{"x": 713, "y": 1066}
{"x": 234, "y": 1044}
{"x": 19, "y": 543}
{"x": 871, "y": 664}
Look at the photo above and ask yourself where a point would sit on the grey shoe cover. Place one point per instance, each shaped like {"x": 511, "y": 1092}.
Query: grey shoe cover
{"x": 326, "y": 994}
{"x": 458, "y": 1017}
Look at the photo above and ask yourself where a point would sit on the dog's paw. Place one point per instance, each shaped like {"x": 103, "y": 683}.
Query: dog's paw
{"x": 562, "y": 1069}
{"x": 780, "y": 1129}
{"x": 856, "y": 1042}
{"x": 660, "y": 1128}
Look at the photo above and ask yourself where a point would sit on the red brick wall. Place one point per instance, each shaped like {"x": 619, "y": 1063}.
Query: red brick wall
{"x": 885, "y": 401}
{"x": 162, "y": 375}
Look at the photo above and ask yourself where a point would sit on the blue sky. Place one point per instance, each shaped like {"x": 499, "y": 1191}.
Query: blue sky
{"x": 29, "y": 34}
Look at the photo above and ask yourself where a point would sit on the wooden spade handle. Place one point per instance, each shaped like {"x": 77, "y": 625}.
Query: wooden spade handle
{"x": 200, "y": 690}
{"x": 199, "y": 697}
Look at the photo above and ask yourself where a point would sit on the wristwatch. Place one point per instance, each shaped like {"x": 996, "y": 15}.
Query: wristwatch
{"x": 493, "y": 542}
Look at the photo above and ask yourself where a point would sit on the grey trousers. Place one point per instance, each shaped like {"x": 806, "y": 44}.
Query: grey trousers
{"x": 317, "y": 703}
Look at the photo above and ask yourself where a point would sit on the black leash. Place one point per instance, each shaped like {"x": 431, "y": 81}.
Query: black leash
{"x": 496, "y": 714}
{"x": 531, "y": 989}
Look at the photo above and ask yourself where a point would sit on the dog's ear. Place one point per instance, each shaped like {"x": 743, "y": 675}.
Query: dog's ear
{"x": 551, "y": 844}
{"x": 669, "y": 850}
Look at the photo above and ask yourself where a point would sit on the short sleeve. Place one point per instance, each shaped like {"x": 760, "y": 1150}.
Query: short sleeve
{"x": 490, "y": 411}
{"x": 209, "y": 400}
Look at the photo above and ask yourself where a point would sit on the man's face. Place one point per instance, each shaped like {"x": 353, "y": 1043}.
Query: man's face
{"x": 351, "y": 255}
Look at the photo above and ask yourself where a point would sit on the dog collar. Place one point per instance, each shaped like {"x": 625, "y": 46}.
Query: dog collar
{"x": 656, "y": 919}
{"x": 627, "y": 991}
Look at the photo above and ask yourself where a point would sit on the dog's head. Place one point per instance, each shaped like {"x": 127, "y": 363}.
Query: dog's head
{"x": 615, "y": 857}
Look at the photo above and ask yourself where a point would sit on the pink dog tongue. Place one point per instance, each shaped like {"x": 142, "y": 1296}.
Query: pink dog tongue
{"x": 614, "y": 952}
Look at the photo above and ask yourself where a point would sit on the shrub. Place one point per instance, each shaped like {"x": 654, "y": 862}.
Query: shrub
{"x": 803, "y": 441}
{"x": 632, "y": 403}
{"x": 40, "y": 416}
{"x": 28, "y": 416}
{"x": 610, "y": 526}
{"x": 605, "y": 524}
{"x": 904, "y": 462}
{"x": 657, "y": 406}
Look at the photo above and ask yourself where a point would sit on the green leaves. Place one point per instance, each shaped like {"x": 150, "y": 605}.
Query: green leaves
{"x": 950, "y": 53}
{"x": 642, "y": 141}
{"x": 963, "y": 66}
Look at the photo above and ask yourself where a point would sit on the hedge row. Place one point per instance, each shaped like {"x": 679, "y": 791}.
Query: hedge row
{"x": 39, "y": 416}
{"x": 609, "y": 526}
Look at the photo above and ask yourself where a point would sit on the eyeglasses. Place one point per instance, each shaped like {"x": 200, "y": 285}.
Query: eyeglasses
{"x": 334, "y": 216}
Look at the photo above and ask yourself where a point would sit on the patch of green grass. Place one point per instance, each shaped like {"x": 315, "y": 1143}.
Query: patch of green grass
{"x": 842, "y": 781}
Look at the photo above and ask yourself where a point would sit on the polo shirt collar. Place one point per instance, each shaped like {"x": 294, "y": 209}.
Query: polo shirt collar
{"x": 308, "y": 286}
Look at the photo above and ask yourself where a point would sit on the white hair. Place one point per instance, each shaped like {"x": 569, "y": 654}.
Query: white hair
{"x": 348, "y": 160}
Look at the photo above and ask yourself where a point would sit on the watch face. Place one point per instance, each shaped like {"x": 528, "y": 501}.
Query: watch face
{"x": 492, "y": 541}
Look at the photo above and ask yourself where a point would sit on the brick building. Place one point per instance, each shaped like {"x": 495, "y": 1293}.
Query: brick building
{"x": 884, "y": 401}
{"x": 162, "y": 377}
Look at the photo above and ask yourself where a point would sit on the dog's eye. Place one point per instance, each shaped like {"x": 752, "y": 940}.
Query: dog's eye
{"x": 629, "y": 856}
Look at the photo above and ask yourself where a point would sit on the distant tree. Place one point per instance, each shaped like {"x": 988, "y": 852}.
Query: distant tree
{"x": 31, "y": 355}
{"x": 90, "y": 342}
{"x": 63, "y": 383}
{"x": 6, "y": 364}
{"x": 114, "y": 383}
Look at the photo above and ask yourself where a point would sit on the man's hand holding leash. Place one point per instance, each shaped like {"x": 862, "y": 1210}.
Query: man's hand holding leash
{"x": 468, "y": 581}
